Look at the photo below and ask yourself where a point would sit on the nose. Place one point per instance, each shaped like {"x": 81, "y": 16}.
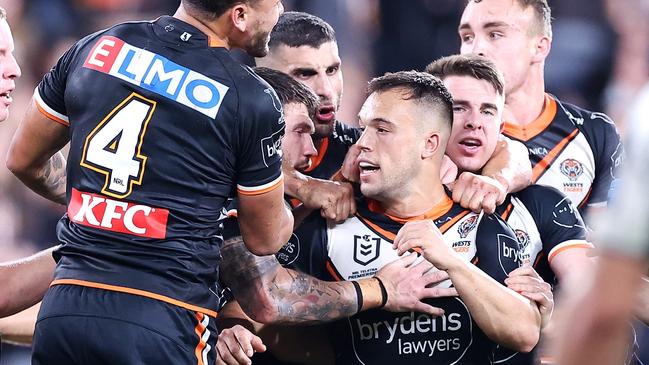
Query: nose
{"x": 473, "y": 122}
{"x": 364, "y": 142}
{"x": 322, "y": 87}
{"x": 11, "y": 70}
{"x": 476, "y": 47}
{"x": 308, "y": 148}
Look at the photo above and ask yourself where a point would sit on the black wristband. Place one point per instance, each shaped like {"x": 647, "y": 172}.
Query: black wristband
{"x": 384, "y": 292}
{"x": 359, "y": 295}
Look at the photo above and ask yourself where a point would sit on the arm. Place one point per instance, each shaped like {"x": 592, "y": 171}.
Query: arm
{"x": 24, "y": 282}
{"x": 265, "y": 221}
{"x": 505, "y": 316}
{"x": 19, "y": 328}
{"x": 599, "y": 309}
{"x": 269, "y": 292}
{"x": 510, "y": 165}
{"x": 34, "y": 155}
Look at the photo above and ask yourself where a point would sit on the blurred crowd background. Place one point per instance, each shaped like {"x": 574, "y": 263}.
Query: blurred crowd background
{"x": 599, "y": 60}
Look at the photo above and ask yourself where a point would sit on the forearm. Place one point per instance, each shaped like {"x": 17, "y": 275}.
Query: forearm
{"x": 19, "y": 328}
{"x": 47, "y": 179}
{"x": 269, "y": 292}
{"x": 294, "y": 182}
{"x": 506, "y": 317}
{"x": 510, "y": 165}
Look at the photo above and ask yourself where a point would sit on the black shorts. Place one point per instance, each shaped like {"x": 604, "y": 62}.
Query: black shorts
{"x": 81, "y": 325}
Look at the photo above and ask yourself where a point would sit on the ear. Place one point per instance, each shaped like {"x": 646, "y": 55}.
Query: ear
{"x": 431, "y": 145}
{"x": 542, "y": 48}
{"x": 239, "y": 15}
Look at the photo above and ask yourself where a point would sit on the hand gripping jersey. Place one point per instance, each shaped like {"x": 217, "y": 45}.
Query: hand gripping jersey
{"x": 360, "y": 246}
{"x": 163, "y": 128}
{"x": 573, "y": 150}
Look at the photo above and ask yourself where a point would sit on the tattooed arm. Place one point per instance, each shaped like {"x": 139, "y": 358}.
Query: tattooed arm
{"x": 268, "y": 292}
{"x": 34, "y": 155}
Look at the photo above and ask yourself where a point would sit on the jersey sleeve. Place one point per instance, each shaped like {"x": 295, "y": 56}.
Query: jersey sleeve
{"x": 558, "y": 221}
{"x": 261, "y": 128}
{"x": 497, "y": 248}
{"x": 308, "y": 246}
{"x": 610, "y": 154}
{"x": 348, "y": 135}
{"x": 50, "y": 92}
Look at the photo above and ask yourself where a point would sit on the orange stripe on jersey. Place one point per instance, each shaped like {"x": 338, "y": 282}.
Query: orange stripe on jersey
{"x": 387, "y": 234}
{"x": 561, "y": 248}
{"x": 51, "y": 116}
{"x": 216, "y": 42}
{"x": 199, "y": 330}
{"x": 317, "y": 159}
{"x": 529, "y": 131}
{"x": 332, "y": 271}
{"x": 446, "y": 226}
{"x": 507, "y": 212}
{"x": 437, "y": 211}
{"x": 545, "y": 163}
{"x": 252, "y": 192}
{"x": 142, "y": 293}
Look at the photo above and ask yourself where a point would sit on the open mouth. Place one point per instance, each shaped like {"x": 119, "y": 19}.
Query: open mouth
{"x": 367, "y": 168}
{"x": 471, "y": 143}
{"x": 326, "y": 114}
{"x": 6, "y": 96}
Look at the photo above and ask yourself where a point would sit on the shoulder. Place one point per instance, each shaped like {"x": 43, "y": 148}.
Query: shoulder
{"x": 345, "y": 133}
{"x": 589, "y": 122}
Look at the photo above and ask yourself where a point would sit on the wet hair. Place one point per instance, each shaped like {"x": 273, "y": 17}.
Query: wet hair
{"x": 3, "y": 13}
{"x": 296, "y": 29}
{"x": 420, "y": 86}
{"x": 212, "y": 9}
{"x": 288, "y": 89}
{"x": 468, "y": 65}
{"x": 542, "y": 15}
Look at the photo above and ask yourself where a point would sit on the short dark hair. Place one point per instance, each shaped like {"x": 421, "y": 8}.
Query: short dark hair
{"x": 420, "y": 86}
{"x": 3, "y": 13}
{"x": 296, "y": 29}
{"x": 288, "y": 89}
{"x": 212, "y": 9}
{"x": 542, "y": 14}
{"x": 474, "y": 66}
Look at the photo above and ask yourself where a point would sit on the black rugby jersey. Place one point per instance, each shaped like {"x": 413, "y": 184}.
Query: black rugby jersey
{"x": 164, "y": 128}
{"x": 360, "y": 246}
{"x": 545, "y": 223}
{"x": 574, "y": 150}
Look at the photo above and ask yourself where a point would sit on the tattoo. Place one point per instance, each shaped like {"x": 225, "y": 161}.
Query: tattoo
{"x": 51, "y": 184}
{"x": 294, "y": 297}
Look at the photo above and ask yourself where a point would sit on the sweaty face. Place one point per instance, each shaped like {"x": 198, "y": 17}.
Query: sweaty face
{"x": 263, "y": 17}
{"x": 319, "y": 68}
{"x": 9, "y": 70}
{"x": 477, "y": 113}
{"x": 391, "y": 146}
{"x": 297, "y": 145}
{"x": 502, "y": 31}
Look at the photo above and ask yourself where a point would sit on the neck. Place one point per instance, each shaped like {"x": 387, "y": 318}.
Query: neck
{"x": 525, "y": 104}
{"x": 215, "y": 30}
{"x": 416, "y": 200}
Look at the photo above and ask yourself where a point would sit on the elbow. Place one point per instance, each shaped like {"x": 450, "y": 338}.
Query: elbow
{"x": 261, "y": 310}
{"x": 528, "y": 341}
{"x": 262, "y": 249}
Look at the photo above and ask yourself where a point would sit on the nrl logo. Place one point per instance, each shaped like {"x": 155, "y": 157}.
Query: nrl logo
{"x": 366, "y": 249}
{"x": 572, "y": 169}
{"x": 467, "y": 226}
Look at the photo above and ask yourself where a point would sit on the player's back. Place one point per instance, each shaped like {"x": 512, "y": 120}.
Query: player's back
{"x": 163, "y": 130}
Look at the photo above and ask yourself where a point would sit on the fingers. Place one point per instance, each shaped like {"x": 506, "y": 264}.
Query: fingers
{"x": 435, "y": 277}
{"x": 428, "y": 309}
{"x": 489, "y": 203}
{"x": 237, "y": 345}
{"x": 439, "y": 292}
{"x": 525, "y": 270}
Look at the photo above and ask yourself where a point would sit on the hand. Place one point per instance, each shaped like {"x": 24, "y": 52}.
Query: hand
{"x": 448, "y": 171}
{"x": 426, "y": 235}
{"x": 236, "y": 345}
{"x": 334, "y": 199}
{"x": 526, "y": 281}
{"x": 350, "y": 170}
{"x": 477, "y": 192}
{"x": 407, "y": 284}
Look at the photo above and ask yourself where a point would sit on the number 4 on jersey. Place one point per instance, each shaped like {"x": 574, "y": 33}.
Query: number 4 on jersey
{"x": 113, "y": 147}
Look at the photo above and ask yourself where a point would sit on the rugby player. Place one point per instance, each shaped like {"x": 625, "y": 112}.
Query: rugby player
{"x": 9, "y": 69}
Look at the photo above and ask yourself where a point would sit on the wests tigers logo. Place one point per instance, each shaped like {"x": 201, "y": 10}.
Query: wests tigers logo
{"x": 572, "y": 169}
{"x": 467, "y": 226}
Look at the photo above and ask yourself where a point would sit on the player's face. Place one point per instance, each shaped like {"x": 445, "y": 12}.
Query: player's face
{"x": 391, "y": 145}
{"x": 263, "y": 18}
{"x": 318, "y": 68}
{"x": 502, "y": 31}
{"x": 297, "y": 145}
{"x": 477, "y": 115}
{"x": 9, "y": 70}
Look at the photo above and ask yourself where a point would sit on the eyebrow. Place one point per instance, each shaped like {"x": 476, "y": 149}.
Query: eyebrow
{"x": 482, "y": 105}
{"x": 304, "y": 126}
{"x": 496, "y": 24}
